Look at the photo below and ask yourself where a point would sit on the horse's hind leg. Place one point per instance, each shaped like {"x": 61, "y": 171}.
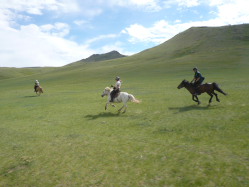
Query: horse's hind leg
{"x": 216, "y": 95}
{"x": 124, "y": 106}
{"x": 119, "y": 110}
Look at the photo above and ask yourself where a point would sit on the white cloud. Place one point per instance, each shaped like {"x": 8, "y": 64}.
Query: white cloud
{"x": 181, "y": 3}
{"x": 31, "y": 46}
{"x": 31, "y": 7}
{"x": 188, "y": 3}
{"x": 101, "y": 37}
{"x": 150, "y": 5}
{"x": 233, "y": 12}
{"x": 58, "y": 29}
{"x": 80, "y": 22}
{"x": 158, "y": 33}
{"x": 228, "y": 12}
{"x": 146, "y": 5}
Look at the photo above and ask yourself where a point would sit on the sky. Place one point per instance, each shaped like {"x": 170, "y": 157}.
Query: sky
{"x": 58, "y": 32}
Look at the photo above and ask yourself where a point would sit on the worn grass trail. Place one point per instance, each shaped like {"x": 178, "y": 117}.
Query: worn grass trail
{"x": 66, "y": 138}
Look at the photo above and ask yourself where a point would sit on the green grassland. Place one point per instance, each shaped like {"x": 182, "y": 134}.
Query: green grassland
{"x": 8, "y": 73}
{"x": 65, "y": 137}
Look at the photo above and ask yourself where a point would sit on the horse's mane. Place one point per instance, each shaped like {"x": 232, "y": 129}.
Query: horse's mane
{"x": 108, "y": 88}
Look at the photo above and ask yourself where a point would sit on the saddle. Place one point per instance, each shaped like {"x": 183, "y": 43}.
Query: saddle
{"x": 115, "y": 93}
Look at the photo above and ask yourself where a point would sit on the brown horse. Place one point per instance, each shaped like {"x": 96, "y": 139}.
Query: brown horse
{"x": 209, "y": 88}
{"x": 38, "y": 90}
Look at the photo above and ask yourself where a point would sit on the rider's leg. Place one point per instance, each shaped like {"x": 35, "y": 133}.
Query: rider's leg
{"x": 197, "y": 88}
{"x": 113, "y": 93}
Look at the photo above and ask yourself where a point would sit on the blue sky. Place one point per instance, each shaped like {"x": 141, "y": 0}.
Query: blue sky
{"x": 58, "y": 32}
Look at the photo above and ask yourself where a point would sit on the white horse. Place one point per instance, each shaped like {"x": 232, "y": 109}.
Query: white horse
{"x": 122, "y": 97}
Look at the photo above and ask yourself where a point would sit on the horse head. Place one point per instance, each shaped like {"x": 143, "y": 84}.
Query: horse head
{"x": 106, "y": 91}
{"x": 182, "y": 84}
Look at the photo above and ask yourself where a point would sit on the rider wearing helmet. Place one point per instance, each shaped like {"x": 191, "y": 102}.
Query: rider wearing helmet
{"x": 116, "y": 89}
{"x": 37, "y": 84}
{"x": 198, "y": 79}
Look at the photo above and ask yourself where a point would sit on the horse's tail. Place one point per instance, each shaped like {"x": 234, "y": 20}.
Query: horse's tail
{"x": 133, "y": 99}
{"x": 217, "y": 88}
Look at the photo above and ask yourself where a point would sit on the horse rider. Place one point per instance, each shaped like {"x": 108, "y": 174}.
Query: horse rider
{"x": 198, "y": 79}
{"x": 116, "y": 89}
{"x": 37, "y": 84}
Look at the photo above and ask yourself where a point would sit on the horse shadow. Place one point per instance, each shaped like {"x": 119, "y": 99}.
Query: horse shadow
{"x": 192, "y": 107}
{"x": 29, "y": 96}
{"x": 102, "y": 115}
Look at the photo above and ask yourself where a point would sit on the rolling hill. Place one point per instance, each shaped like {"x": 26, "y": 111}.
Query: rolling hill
{"x": 205, "y": 43}
{"x": 6, "y": 73}
{"x": 216, "y": 46}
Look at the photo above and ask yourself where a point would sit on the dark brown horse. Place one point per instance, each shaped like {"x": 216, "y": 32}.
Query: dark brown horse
{"x": 209, "y": 88}
{"x": 38, "y": 90}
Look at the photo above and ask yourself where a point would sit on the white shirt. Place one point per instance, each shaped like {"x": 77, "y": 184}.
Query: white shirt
{"x": 118, "y": 84}
{"x": 37, "y": 83}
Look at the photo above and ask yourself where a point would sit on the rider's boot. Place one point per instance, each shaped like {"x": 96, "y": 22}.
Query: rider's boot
{"x": 111, "y": 99}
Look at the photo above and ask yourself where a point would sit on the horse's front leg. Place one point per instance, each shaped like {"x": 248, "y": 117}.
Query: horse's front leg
{"x": 195, "y": 98}
{"x": 106, "y": 105}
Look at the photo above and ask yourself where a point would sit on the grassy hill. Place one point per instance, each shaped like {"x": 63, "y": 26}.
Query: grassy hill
{"x": 66, "y": 138}
{"x": 7, "y": 73}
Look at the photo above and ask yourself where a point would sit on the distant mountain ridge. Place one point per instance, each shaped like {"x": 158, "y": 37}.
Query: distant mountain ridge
{"x": 101, "y": 57}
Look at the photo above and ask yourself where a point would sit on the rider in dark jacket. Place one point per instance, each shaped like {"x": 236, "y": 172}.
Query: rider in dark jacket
{"x": 116, "y": 89}
{"x": 198, "y": 79}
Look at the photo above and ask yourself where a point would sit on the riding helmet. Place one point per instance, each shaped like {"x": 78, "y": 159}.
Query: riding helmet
{"x": 195, "y": 68}
{"x": 117, "y": 78}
